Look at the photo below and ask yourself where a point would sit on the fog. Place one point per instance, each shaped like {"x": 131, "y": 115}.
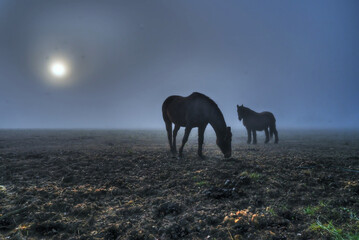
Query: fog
{"x": 297, "y": 59}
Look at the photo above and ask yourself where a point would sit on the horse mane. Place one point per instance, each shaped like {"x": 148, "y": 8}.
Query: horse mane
{"x": 247, "y": 110}
{"x": 213, "y": 103}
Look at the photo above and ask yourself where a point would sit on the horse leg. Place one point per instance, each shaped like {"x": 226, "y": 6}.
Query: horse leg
{"x": 254, "y": 136}
{"x": 273, "y": 130}
{"x": 249, "y": 136}
{"x": 175, "y": 131}
{"x": 267, "y": 135}
{"x": 169, "y": 134}
{"x": 276, "y": 139}
{"x": 184, "y": 140}
{"x": 200, "y": 140}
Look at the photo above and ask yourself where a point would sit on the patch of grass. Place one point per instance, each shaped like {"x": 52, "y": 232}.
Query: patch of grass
{"x": 202, "y": 183}
{"x": 341, "y": 223}
{"x": 311, "y": 210}
{"x": 352, "y": 215}
{"x": 199, "y": 181}
{"x": 329, "y": 228}
{"x": 323, "y": 204}
{"x": 271, "y": 211}
{"x": 334, "y": 232}
{"x": 253, "y": 176}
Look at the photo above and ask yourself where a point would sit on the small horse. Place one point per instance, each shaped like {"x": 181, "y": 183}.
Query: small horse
{"x": 254, "y": 121}
{"x": 196, "y": 110}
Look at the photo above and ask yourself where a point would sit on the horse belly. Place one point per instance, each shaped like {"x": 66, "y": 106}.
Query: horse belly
{"x": 177, "y": 120}
{"x": 260, "y": 126}
{"x": 256, "y": 124}
{"x": 183, "y": 122}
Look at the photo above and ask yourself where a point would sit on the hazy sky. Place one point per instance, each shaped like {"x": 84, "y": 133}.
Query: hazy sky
{"x": 298, "y": 59}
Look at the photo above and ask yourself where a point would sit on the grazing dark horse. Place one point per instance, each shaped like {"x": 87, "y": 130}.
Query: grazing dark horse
{"x": 254, "y": 121}
{"x": 196, "y": 110}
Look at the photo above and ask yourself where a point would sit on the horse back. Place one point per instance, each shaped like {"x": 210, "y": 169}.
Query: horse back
{"x": 259, "y": 121}
{"x": 268, "y": 115}
{"x": 191, "y": 110}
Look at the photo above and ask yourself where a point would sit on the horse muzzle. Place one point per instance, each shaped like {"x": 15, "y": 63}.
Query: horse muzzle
{"x": 227, "y": 155}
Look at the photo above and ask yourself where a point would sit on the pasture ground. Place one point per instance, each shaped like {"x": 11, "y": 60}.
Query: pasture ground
{"x": 124, "y": 184}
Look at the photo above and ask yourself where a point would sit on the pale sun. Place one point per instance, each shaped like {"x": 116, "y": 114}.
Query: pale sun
{"x": 58, "y": 69}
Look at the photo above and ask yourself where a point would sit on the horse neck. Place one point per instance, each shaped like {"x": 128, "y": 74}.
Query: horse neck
{"x": 218, "y": 123}
{"x": 249, "y": 112}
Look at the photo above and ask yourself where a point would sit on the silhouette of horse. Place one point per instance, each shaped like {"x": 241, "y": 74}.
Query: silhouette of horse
{"x": 196, "y": 110}
{"x": 254, "y": 121}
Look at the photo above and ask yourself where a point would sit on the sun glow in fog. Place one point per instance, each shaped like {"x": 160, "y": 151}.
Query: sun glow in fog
{"x": 58, "y": 69}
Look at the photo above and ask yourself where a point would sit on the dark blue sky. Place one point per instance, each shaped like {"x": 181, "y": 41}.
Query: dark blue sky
{"x": 298, "y": 59}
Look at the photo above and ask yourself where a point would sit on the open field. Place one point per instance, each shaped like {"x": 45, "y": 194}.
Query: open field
{"x": 124, "y": 184}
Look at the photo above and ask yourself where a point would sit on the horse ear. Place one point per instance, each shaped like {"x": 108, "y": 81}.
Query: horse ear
{"x": 242, "y": 105}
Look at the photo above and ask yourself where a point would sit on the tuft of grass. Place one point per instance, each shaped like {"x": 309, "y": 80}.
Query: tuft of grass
{"x": 253, "y": 176}
{"x": 349, "y": 230}
{"x": 352, "y": 215}
{"x": 335, "y": 232}
{"x": 272, "y": 212}
{"x": 198, "y": 181}
{"x": 311, "y": 210}
{"x": 201, "y": 183}
{"x": 323, "y": 204}
{"x": 329, "y": 228}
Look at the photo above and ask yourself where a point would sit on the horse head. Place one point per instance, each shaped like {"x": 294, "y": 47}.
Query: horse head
{"x": 225, "y": 143}
{"x": 240, "y": 111}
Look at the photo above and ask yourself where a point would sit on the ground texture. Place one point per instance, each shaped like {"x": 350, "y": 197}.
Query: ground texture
{"x": 121, "y": 184}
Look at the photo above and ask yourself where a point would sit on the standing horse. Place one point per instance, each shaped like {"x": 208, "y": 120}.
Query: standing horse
{"x": 196, "y": 110}
{"x": 254, "y": 121}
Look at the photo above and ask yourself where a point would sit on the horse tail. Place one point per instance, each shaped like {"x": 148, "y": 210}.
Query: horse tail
{"x": 164, "y": 110}
{"x": 271, "y": 131}
{"x": 272, "y": 126}
{"x": 165, "y": 105}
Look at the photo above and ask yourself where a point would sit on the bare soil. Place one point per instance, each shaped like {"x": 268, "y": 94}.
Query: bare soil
{"x": 124, "y": 184}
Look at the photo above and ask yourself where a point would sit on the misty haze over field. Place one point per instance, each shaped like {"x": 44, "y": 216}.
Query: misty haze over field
{"x": 297, "y": 59}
